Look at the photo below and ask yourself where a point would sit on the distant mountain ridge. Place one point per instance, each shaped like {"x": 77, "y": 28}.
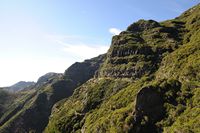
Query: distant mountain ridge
{"x": 31, "y": 109}
{"x": 20, "y": 86}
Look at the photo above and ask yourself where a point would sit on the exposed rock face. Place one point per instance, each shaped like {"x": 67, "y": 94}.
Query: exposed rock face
{"x": 81, "y": 72}
{"x": 47, "y": 77}
{"x": 139, "y": 50}
{"x": 143, "y": 25}
{"x": 149, "y": 102}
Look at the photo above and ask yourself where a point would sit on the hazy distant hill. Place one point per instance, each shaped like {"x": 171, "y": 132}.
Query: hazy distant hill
{"x": 20, "y": 86}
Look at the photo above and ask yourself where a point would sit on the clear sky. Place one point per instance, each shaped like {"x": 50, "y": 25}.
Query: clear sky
{"x": 40, "y": 36}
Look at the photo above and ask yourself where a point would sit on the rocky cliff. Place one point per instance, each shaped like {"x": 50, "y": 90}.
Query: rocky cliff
{"x": 31, "y": 110}
{"x": 148, "y": 81}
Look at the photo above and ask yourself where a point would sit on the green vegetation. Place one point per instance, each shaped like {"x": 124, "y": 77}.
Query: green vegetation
{"x": 149, "y": 81}
{"x": 85, "y": 98}
{"x": 6, "y": 98}
{"x": 160, "y": 62}
{"x": 31, "y": 109}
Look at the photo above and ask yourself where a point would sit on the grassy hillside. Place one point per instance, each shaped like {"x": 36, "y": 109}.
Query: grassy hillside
{"x": 6, "y": 98}
{"x": 31, "y": 109}
{"x": 149, "y": 82}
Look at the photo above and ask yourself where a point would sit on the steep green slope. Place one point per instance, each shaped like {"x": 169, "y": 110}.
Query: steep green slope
{"x": 30, "y": 111}
{"x": 6, "y": 98}
{"x": 149, "y": 82}
{"x": 70, "y": 117}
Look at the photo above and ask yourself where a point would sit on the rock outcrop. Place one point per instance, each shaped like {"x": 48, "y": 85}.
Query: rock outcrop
{"x": 149, "y": 103}
{"x": 139, "y": 50}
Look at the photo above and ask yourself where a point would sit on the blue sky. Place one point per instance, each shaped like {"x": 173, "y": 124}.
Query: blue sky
{"x": 40, "y": 36}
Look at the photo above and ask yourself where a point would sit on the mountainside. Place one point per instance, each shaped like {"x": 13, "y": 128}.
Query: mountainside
{"x": 31, "y": 108}
{"x": 20, "y": 86}
{"x": 148, "y": 81}
{"x": 6, "y": 98}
